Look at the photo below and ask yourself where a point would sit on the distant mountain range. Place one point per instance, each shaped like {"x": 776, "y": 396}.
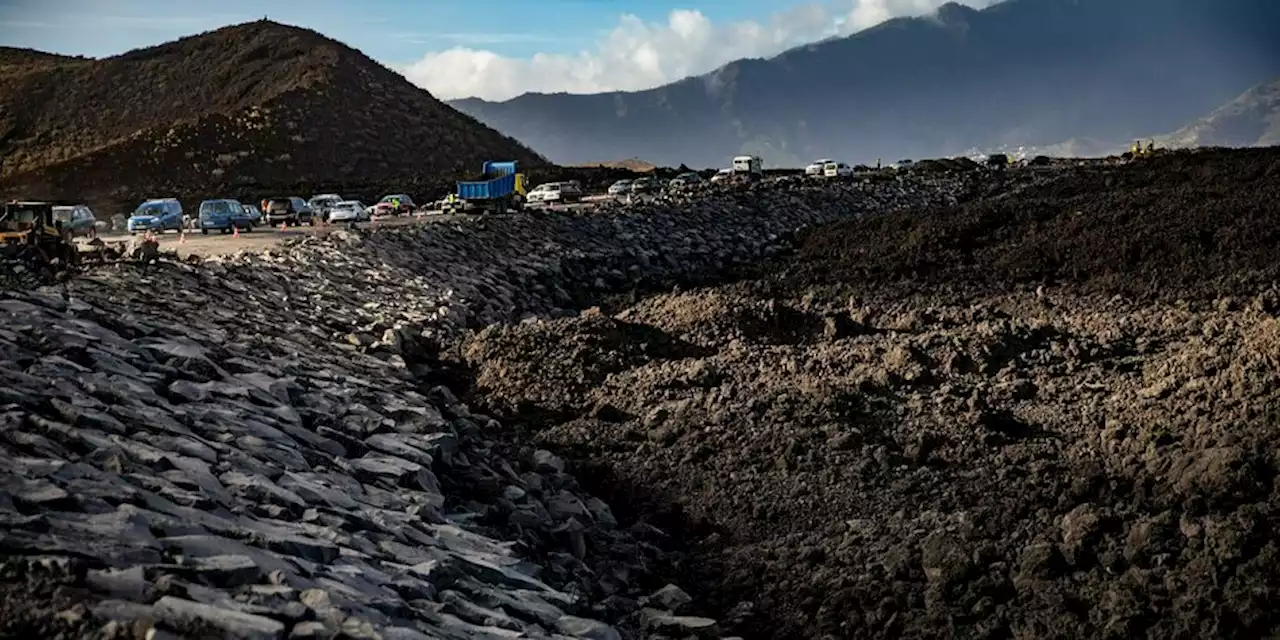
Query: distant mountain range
{"x": 1020, "y": 73}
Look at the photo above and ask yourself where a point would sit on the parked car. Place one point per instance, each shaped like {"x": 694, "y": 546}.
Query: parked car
{"x": 722, "y": 175}
{"x": 647, "y": 184}
{"x": 836, "y": 170}
{"x": 817, "y": 167}
{"x": 554, "y": 192}
{"x": 348, "y": 211}
{"x": 255, "y": 215}
{"x": 224, "y": 216}
{"x": 78, "y": 220}
{"x": 685, "y": 180}
{"x": 621, "y": 187}
{"x": 156, "y": 215}
{"x": 548, "y": 193}
{"x": 394, "y": 205}
{"x": 321, "y": 204}
{"x": 292, "y": 211}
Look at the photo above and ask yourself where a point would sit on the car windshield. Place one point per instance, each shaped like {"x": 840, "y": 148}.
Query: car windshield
{"x": 390, "y": 199}
{"x": 279, "y": 202}
{"x": 622, "y": 183}
{"x": 347, "y": 204}
{"x": 149, "y": 210}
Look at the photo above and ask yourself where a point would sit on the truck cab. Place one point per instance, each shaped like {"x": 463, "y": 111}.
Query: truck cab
{"x": 750, "y": 165}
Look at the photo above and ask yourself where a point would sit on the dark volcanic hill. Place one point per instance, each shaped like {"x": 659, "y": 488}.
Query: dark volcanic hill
{"x": 238, "y": 111}
{"x": 1023, "y": 72}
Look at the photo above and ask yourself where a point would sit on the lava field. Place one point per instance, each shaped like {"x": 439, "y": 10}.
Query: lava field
{"x": 1051, "y": 412}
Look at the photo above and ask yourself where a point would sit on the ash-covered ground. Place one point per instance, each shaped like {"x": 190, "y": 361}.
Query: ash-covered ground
{"x": 1051, "y": 413}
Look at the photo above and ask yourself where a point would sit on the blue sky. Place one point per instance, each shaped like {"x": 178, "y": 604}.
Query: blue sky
{"x": 454, "y": 49}
{"x": 389, "y": 30}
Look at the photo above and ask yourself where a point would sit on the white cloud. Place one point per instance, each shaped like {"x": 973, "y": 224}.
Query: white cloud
{"x": 637, "y": 55}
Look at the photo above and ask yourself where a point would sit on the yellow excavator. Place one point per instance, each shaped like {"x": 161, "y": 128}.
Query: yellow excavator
{"x": 30, "y": 228}
{"x": 1139, "y": 151}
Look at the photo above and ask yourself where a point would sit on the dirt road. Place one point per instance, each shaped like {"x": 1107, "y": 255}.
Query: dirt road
{"x": 195, "y": 243}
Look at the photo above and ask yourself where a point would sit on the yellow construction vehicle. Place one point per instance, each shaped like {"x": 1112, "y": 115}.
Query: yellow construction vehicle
{"x": 30, "y": 228}
{"x": 1138, "y": 150}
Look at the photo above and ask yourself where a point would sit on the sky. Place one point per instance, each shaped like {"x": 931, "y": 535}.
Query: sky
{"x": 491, "y": 49}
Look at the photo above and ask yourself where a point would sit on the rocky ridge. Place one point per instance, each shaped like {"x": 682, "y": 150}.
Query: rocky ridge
{"x": 264, "y": 446}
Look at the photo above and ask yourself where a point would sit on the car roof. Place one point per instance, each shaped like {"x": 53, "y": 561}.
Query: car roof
{"x": 349, "y": 202}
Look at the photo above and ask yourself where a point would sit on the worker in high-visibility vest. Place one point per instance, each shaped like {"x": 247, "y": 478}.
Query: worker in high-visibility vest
{"x": 451, "y": 202}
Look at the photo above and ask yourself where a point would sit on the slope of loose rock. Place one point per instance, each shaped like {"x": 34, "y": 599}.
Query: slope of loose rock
{"x": 264, "y": 445}
{"x": 1029, "y": 444}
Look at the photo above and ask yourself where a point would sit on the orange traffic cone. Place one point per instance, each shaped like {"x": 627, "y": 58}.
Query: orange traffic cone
{"x": 235, "y": 231}
{"x": 182, "y": 237}
{"x": 284, "y": 226}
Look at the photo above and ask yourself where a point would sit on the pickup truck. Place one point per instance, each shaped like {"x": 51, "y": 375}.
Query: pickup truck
{"x": 500, "y": 189}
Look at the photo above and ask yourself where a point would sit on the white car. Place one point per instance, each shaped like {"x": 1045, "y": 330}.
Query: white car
{"x": 349, "y": 211}
{"x": 836, "y": 170}
{"x": 722, "y": 175}
{"x": 817, "y": 167}
{"x": 621, "y": 187}
{"x": 553, "y": 193}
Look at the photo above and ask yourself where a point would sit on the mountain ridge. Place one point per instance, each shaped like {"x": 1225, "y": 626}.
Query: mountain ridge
{"x": 1018, "y": 72}
{"x": 245, "y": 108}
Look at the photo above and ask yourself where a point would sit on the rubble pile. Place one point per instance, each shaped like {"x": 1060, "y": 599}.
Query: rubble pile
{"x": 1047, "y": 413}
{"x": 267, "y": 446}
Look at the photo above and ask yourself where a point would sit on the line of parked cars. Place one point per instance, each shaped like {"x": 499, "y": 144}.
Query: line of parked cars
{"x": 651, "y": 184}
{"x": 226, "y": 215}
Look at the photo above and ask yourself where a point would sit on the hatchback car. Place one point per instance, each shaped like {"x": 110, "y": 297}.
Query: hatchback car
{"x": 78, "y": 220}
{"x": 348, "y": 211}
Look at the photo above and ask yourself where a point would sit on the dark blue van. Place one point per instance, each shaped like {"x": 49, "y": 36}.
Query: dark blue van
{"x": 224, "y": 216}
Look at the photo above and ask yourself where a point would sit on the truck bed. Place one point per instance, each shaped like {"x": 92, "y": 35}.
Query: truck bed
{"x": 499, "y": 187}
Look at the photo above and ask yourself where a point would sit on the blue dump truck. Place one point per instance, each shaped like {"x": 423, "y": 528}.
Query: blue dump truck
{"x": 502, "y": 189}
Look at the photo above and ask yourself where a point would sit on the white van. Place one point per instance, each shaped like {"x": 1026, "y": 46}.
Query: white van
{"x": 748, "y": 164}
{"x": 836, "y": 170}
